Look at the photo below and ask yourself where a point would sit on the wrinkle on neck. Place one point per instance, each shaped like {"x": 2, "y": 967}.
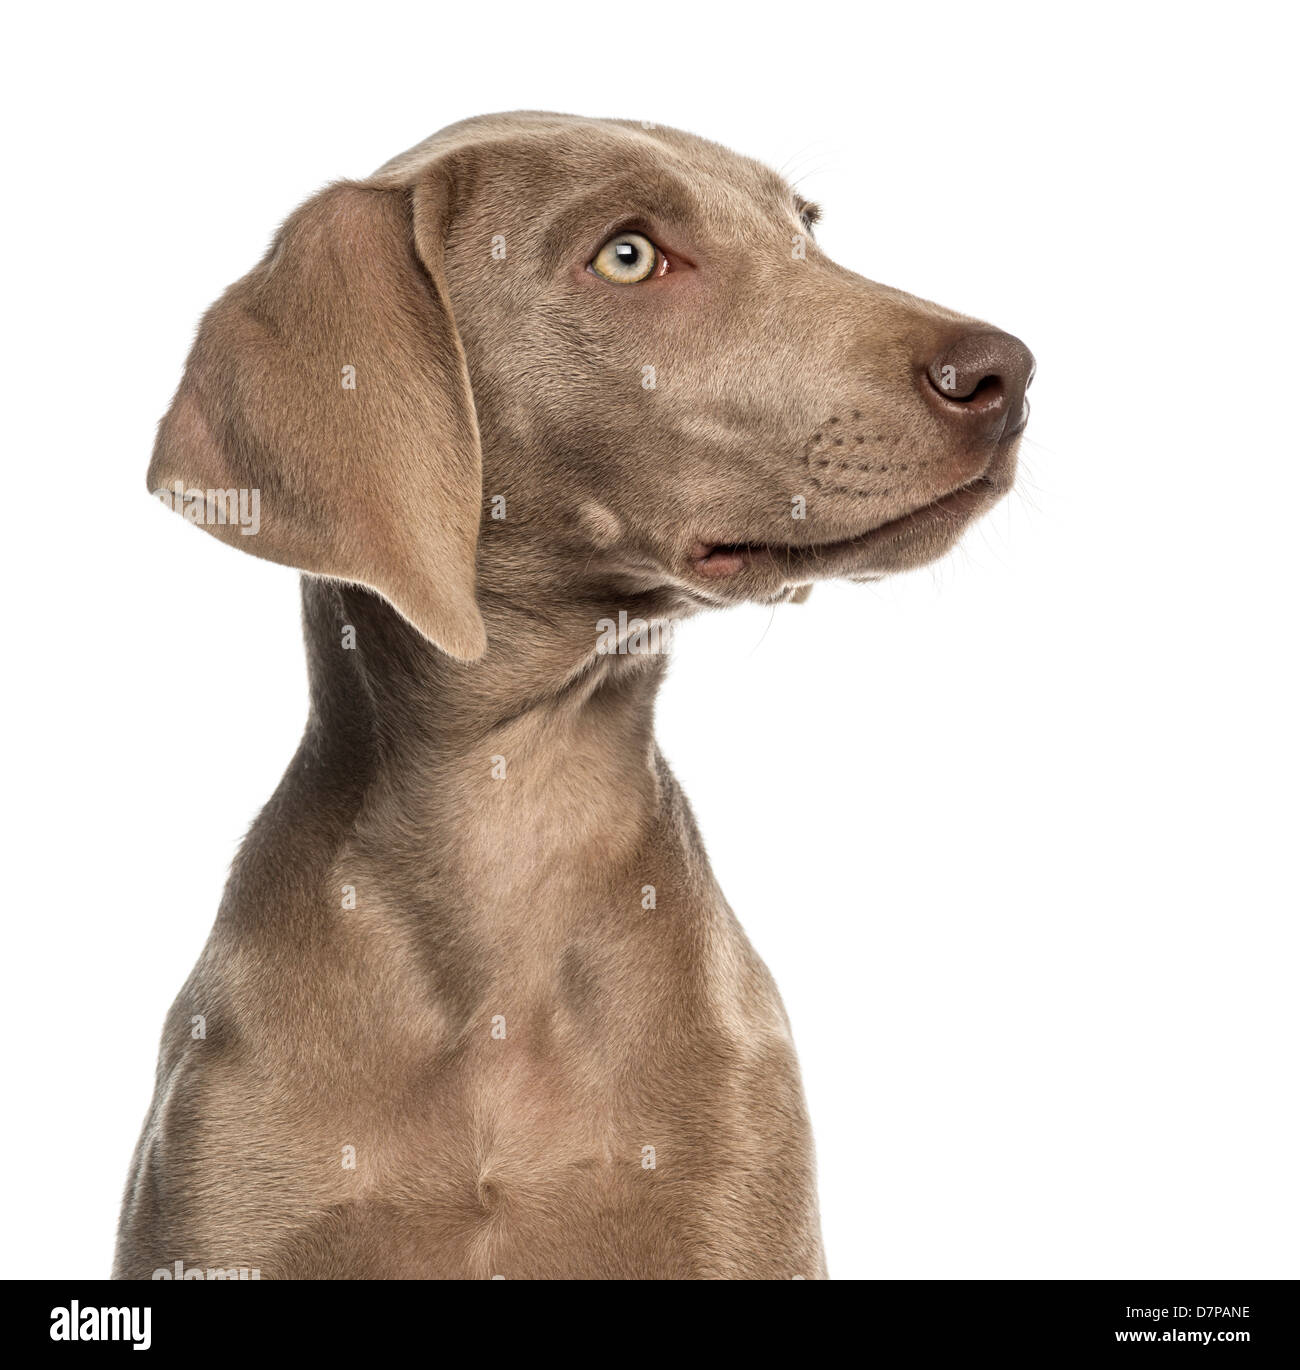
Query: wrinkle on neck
{"x": 530, "y": 773}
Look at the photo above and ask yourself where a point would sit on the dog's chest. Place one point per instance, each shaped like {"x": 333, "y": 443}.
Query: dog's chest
{"x": 507, "y": 1169}
{"x": 574, "y": 1126}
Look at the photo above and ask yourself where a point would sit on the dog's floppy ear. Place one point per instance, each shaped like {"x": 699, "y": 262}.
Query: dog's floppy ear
{"x": 327, "y": 391}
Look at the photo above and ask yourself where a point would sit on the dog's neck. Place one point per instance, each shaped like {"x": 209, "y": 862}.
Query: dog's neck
{"x": 528, "y": 781}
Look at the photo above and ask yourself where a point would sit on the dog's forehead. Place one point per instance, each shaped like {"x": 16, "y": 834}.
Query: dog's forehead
{"x": 545, "y": 158}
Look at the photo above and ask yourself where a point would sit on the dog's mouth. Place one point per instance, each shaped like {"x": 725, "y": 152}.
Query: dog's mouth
{"x": 716, "y": 561}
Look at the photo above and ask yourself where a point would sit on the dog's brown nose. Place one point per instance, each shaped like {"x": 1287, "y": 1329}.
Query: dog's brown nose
{"x": 982, "y": 379}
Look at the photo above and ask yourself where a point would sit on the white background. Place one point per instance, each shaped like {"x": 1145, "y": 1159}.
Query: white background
{"x": 1015, "y": 834}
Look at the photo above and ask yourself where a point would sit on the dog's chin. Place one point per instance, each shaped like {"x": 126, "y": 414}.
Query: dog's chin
{"x": 772, "y": 570}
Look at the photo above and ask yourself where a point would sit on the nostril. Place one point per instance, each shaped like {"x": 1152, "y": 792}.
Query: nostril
{"x": 975, "y": 393}
{"x": 987, "y": 390}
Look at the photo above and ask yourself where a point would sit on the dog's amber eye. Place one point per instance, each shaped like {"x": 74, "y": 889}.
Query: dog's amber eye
{"x": 626, "y": 259}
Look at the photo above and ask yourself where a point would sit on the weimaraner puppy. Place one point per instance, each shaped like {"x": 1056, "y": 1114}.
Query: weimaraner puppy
{"x": 473, "y": 1005}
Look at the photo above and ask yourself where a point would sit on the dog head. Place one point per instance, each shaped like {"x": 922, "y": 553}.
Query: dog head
{"x": 549, "y": 360}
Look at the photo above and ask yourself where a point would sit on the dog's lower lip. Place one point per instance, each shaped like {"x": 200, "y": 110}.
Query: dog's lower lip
{"x": 717, "y": 560}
